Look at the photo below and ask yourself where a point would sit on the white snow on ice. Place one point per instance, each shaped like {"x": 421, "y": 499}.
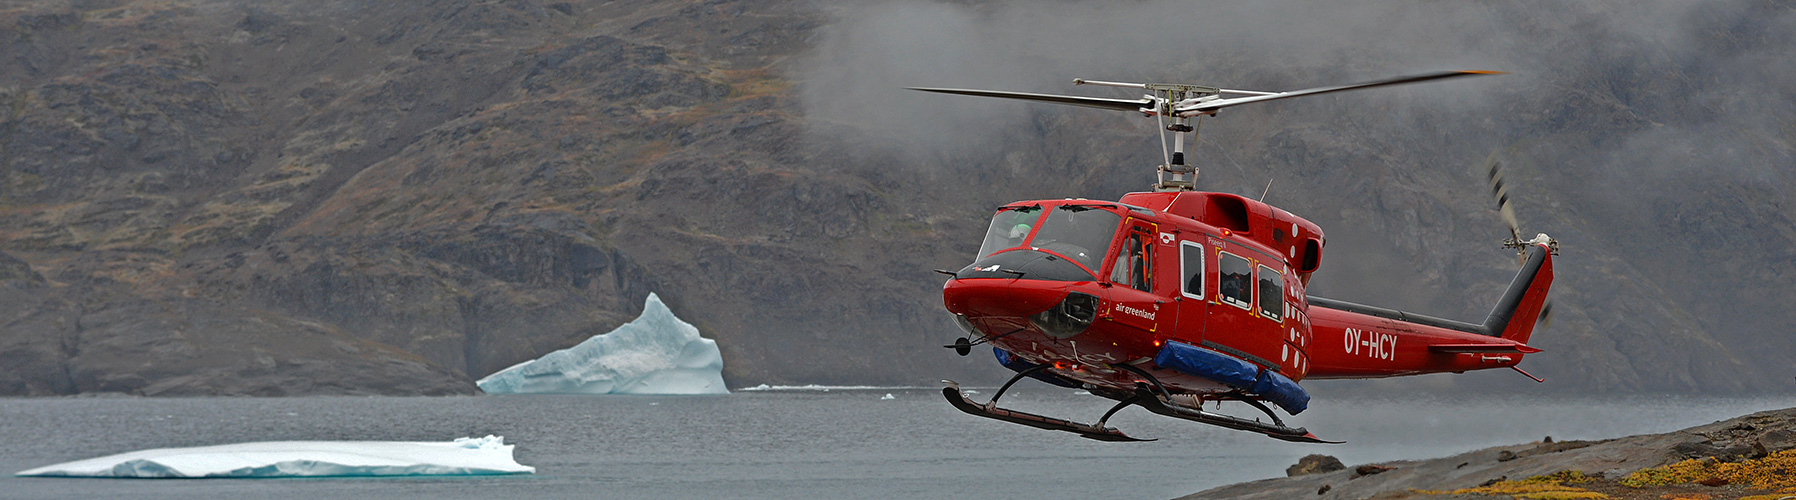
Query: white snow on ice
{"x": 462, "y": 457}
{"x": 655, "y": 354}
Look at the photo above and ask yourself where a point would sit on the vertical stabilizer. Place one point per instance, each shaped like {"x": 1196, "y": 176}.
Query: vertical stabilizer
{"x": 1515, "y": 314}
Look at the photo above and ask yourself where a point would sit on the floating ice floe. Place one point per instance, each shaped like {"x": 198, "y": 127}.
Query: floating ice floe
{"x": 462, "y": 457}
{"x": 655, "y": 354}
{"x": 887, "y": 397}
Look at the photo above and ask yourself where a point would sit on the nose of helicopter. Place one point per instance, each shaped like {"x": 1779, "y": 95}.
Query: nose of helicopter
{"x": 977, "y": 297}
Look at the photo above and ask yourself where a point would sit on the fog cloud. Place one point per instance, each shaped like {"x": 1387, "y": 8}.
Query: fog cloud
{"x": 1655, "y": 139}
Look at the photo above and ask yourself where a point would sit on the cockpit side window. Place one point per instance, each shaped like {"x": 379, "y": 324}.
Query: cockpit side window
{"x": 1234, "y": 285}
{"x": 1010, "y": 228}
{"x": 1191, "y": 264}
{"x": 1272, "y": 294}
{"x": 1134, "y": 266}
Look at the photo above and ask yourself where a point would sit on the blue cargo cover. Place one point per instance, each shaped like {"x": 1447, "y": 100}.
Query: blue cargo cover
{"x": 1198, "y": 361}
{"x": 1282, "y": 391}
{"x": 1234, "y": 372}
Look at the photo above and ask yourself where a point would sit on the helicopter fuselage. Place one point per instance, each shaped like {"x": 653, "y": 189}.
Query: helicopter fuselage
{"x": 1086, "y": 286}
{"x": 1172, "y": 298}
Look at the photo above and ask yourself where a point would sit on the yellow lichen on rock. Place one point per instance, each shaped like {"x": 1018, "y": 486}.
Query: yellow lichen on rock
{"x": 1546, "y": 487}
{"x": 1776, "y": 471}
{"x": 1564, "y": 476}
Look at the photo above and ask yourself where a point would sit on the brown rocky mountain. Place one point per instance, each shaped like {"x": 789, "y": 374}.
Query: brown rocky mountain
{"x": 230, "y": 197}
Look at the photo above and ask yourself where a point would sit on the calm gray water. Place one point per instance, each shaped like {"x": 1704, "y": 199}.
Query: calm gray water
{"x": 800, "y": 444}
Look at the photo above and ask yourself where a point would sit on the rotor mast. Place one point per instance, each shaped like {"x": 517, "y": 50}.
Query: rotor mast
{"x": 1175, "y": 174}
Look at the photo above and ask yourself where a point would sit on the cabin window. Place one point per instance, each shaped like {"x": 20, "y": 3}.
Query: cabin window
{"x": 1235, "y": 284}
{"x": 1272, "y": 294}
{"x": 1134, "y": 267}
{"x": 1009, "y": 229}
{"x": 1079, "y": 233}
{"x": 1191, "y": 269}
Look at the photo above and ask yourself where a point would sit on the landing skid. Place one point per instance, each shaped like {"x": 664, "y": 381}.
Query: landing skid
{"x": 1154, "y": 400}
{"x": 991, "y": 410}
{"x": 1160, "y": 406}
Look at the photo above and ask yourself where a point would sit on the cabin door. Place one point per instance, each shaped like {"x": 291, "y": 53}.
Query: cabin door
{"x": 1246, "y": 318}
{"x": 1192, "y": 278}
{"x": 1140, "y": 279}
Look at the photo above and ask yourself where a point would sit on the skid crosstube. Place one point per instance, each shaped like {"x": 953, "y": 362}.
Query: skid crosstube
{"x": 1088, "y": 431}
{"x": 1154, "y": 403}
{"x": 1143, "y": 397}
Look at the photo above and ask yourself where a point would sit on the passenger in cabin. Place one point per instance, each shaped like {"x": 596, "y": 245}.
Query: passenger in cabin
{"x": 1138, "y": 264}
{"x": 1129, "y": 266}
{"x": 1234, "y": 288}
{"x": 1235, "y": 281}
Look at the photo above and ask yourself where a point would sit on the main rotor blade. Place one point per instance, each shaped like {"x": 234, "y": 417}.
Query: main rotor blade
{"x": 1210, "y": 106}
{"x": 1090, "y": 102}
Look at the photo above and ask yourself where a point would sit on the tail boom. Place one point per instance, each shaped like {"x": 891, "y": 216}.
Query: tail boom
{"x": 1358, "y": 341}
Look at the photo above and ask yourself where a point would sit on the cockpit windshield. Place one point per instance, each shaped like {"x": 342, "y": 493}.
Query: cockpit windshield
{"x": 1081, "y": 233}
{"x": 1051, "y": 243}
{"x": 1009, "y": 229}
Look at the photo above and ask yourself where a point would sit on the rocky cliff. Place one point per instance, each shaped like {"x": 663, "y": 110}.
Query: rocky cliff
{"x": 227, "y": 197}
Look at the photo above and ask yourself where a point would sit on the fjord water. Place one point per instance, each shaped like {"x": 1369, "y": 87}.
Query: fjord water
{"x": 791, "y": 444}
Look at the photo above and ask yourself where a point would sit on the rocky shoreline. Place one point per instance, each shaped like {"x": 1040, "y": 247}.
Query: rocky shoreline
{"x": 1580, "y": 469}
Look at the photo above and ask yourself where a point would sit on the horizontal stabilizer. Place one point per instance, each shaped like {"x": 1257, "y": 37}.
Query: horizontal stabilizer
{"x": 1484, "y": 348}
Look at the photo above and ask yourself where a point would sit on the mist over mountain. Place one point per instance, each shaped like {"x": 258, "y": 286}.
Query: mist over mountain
{"x": 230, "y": 197}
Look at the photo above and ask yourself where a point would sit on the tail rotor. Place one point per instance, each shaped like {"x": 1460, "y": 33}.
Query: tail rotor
{"x": 1499, "y": 191}
{"x": 1546, "y": 316}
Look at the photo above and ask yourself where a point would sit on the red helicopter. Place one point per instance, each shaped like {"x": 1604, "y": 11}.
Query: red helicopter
{"x": 1174, "y": 298}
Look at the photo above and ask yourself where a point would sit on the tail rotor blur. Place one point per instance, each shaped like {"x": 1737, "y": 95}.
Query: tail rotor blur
{"x": 1499, "y": 191}
{"x": 1546, "y": 317}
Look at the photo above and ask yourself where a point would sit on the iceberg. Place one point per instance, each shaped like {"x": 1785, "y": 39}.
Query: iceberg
{"x": 462, "y": 457}
{"x": 655, "y": 354}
